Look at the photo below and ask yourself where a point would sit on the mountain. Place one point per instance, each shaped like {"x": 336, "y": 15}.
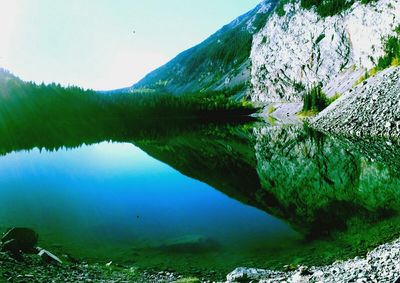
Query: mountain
{"x": 222, "y": 61}
{"x": 306, "y": 44}
{"x": 281, "y": 47}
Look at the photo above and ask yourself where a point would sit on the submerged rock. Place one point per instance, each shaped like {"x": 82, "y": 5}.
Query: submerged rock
{"x": 19, "y": 239}
{"x": 48, "y": 257}
{"x": 12, "y": 247}
{"x": 190, "y": 243}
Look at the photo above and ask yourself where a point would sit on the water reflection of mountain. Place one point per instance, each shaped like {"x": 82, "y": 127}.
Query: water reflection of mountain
{"x": 323, "y": 182}
{"x": 316, "y": 183}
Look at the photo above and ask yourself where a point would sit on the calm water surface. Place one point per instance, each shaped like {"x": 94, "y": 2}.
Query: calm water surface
{"x": 219, "y": 197}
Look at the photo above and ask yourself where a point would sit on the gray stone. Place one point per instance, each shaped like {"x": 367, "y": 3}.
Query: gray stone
{"x": 380, "y": 265}
{"x": 48, "y": 257}
{"x": 349, "y": 116}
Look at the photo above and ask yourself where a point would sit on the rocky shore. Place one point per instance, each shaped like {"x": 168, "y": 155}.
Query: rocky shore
{"x": 21, "y": 260}
{"x": 31, "y": 268}
{"x": 380, "y": 265}
{"x": 371, "y": 109}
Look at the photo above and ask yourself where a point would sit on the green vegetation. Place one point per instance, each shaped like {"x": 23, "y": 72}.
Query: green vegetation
{"x": 391, "y": 58}
{"x": 203, "y": 66}
{"x": 392, "y": 51}
{"x": 280, "y": 7}
{"x": 271, "y": 109}
{"x": 324, "y": 8}
{"x": 334, "y": 97}
{"x": 188, "y": 280}
{"x": 363, "y": 78}
{"x": 315, "y": 100}
{"x": 328, "y": 7}
{"x": 26, "y": 101}
{"x": 231, "y": 49}
{"x": 50, "y": 115}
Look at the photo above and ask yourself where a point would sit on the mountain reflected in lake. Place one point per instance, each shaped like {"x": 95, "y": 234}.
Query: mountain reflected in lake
{"x": 199, "y": 195}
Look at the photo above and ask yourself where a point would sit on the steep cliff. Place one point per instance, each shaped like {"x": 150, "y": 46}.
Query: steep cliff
{"x": 280, "y": 48}
{"x": 300, "y": 48}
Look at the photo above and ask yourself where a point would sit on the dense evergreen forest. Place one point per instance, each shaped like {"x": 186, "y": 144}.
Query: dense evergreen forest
{"x": 22, "y": 100}
{"x": 324, "y": 8}
{"x": 48, "y": 114}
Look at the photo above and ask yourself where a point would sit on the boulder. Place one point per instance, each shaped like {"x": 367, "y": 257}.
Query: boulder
{"x": 20, "y": 239}
{"x": 10, "y": 246}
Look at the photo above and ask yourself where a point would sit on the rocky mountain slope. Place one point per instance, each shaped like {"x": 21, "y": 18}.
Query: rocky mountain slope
{"x": 220, "y": 62}
{"x": 280, "y": 48}
{"x": 301, "y": 48}
{"x": 371, "y": 109}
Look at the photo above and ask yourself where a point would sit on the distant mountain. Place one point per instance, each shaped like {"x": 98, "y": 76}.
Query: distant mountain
{"x": 220, "y": 62}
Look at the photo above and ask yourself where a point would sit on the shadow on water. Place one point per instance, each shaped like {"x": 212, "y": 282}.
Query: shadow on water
{"x": 342, "y": 196}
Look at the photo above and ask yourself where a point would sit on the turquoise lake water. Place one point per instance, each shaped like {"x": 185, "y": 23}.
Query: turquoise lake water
{"x": 209, "y": 198}
{"x": 99, "y": 201}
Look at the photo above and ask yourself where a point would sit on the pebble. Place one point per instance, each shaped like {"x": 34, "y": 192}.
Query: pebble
{"x": 380, "y": 265}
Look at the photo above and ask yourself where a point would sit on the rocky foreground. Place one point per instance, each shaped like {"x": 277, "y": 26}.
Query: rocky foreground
{"x": 370, "y": 109}
{"x": 31, "y": 268}
{"x": 19, "y": 263}
{"x": 21, "y": 260}
{"x": 380, "y": 265}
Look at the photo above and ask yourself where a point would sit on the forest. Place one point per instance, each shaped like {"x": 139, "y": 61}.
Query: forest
{"x": 48, "y": 114}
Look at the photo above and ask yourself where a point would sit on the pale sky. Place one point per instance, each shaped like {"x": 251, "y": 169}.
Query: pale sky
{"x": 104, "y": 44}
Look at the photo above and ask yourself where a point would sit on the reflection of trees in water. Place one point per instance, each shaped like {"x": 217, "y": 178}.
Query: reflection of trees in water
{"x": 314, "y": 182}
{"x": 322, "y": 182}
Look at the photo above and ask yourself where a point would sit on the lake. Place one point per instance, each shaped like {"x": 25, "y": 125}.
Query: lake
{"x": 204, "y": 197}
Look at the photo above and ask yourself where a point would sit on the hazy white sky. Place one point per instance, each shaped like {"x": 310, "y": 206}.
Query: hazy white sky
{"x": 104, "y": 44}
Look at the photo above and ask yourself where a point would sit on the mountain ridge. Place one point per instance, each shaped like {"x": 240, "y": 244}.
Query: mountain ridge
{"x": 221, "y": 61}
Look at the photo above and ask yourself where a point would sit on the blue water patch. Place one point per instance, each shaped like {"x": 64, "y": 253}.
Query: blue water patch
{"x": 105, "y": 199}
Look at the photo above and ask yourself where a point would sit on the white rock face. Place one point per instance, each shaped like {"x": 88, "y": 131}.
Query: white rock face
{"x": 301, "y": 48}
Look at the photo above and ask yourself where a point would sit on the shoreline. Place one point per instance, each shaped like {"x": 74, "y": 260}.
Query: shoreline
{"x": 382, "y": 264}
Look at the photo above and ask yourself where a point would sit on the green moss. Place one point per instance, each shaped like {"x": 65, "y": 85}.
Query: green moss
{"x": 334, "y": 97}
{"x": 306, "y": 114}
{"x": 361, "y": 79}
{"x": 188, "y": 280}
{"x": 271, "y": 109}
{"x": 271, "y": 120}
{"x": 395, "y": 62}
